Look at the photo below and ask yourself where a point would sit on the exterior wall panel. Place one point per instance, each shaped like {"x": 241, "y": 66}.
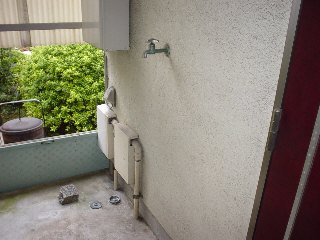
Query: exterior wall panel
{"x": 202, "y": 114}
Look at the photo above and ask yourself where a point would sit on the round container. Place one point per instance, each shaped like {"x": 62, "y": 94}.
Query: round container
{"x": 22, "y": 129}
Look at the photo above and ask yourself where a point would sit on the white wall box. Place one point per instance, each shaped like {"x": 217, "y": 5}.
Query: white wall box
{"x": 105, "y": 130}
{"x": 124, "y": 151}
{"x": 106, "y": 23}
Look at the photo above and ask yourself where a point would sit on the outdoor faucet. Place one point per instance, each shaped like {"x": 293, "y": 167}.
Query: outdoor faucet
{"x": 152, "y": 48}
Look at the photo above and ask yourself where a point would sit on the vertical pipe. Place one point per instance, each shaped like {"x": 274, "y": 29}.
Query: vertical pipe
{"x": 111, "y": 167}
{"x": 115, "y": 180}
{"x": 115, "y": 172}
{"x": 106, "y": 78}
{"x": 23, "y": 17}
{"x": 19, "y": 110}
{"x": 136, "y": 189}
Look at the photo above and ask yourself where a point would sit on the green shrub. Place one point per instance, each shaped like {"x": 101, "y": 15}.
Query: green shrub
{"x": 68, "y": 79}
{"x": 8, "y": 83}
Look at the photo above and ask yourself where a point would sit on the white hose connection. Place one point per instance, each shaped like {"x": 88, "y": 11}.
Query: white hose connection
{"x": 115, "y": 172}
{"x": 136, "y": 190}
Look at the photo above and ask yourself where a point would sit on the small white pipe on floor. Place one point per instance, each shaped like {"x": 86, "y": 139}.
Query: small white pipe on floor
{"x": 115, "y": 172}
{"x": 115, "y": 180}
{"x": 136, "y": 190}
{"x": 111, "y": 167}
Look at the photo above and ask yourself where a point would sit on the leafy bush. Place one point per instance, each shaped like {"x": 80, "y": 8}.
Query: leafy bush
{"x": 68, "y": 79}
{"x": 8, "y": 83}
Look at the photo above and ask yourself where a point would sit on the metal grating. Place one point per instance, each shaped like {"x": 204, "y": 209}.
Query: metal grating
{"x": 49, "y": 159}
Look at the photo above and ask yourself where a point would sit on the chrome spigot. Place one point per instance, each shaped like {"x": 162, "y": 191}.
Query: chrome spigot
{"x": 152, "y": 43}
{"x": 152, "y": 48}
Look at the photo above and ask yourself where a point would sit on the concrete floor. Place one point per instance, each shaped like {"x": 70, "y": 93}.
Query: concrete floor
{"x": 37, "y": 214}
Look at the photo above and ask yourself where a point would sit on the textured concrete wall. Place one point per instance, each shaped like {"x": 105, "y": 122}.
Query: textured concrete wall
{"x": 202, "y": 114}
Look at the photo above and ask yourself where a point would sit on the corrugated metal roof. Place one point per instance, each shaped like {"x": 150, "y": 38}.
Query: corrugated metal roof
{"x": 41, "y": 11}
{"x": 10, "y": 39}
{"x": 58, "y": 36}
{"x": 8, "y": 12}
{"x": 52, "y": 11}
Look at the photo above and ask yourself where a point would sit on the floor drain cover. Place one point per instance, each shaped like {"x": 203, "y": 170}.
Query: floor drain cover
{"x": 114, "y": 199}
{"x": 96, "y": 205}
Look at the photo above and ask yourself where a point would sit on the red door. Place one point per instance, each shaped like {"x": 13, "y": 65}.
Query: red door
{"x": 300, "y": 106}
{"x": 307, "y": 225}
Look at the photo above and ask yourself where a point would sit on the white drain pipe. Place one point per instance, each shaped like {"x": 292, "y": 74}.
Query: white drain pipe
{"x": 115, "y": 172}
{"x": 136, "y": 190}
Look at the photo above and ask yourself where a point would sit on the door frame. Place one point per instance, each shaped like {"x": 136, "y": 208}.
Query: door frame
{"x": 284, "y": 69}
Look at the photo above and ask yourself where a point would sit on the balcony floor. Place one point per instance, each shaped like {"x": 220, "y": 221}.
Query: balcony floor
{"x": 37, "y": 214}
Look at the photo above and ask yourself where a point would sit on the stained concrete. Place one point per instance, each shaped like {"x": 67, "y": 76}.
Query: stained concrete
{"x": 37, "y": 214}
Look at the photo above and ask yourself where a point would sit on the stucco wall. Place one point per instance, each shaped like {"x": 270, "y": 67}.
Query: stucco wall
{"x": 202, "y": 114}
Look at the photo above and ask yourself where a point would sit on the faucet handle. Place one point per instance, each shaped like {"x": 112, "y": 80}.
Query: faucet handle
{"x": 153, "y": 40}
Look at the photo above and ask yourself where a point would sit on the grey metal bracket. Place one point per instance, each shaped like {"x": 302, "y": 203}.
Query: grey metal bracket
{"x": 277, "y": 113}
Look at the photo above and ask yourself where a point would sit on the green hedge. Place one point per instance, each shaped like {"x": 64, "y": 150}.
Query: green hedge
{"x": 8, "y": 80}
{"x": 68, "y": 79}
